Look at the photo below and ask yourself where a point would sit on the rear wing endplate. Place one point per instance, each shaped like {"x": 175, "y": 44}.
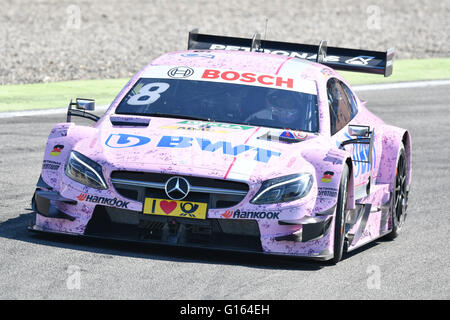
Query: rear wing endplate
{"x": 378, "y": 62}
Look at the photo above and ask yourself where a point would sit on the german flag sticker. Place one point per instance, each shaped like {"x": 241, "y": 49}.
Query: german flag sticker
{"x": 56, "y": 150}
{"x": 327, "y": 176}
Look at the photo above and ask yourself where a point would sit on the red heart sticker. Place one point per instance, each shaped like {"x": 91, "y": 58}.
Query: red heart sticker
{"x": 168, "y": 206}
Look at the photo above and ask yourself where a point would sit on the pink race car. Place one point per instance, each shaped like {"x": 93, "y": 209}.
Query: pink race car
{"x": 236, "y": 144}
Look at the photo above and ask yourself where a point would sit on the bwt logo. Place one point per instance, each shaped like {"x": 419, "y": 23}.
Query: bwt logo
{"x": 122, "y": 140}
{"x": 262, "y": 155}
{"x": 179, "y": 142}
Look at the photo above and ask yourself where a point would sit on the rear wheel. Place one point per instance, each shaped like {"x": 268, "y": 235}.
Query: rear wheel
{"x": 339, "y": 224}
{"x": 399, "y": 195}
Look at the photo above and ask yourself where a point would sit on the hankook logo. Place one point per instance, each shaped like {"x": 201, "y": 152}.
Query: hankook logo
{"x": 180, "y": 72}
{"x": 177, "y": 188}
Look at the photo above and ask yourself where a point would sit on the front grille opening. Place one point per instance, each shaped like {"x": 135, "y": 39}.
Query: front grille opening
{"x": 150, "y": 229}
{"x": 240, "y": 227}
{"x": 215, "y": 200}
{"x": 163, "y": 177}
{"x": 222, "y": 201}
{"x": 223, "y": 204}
{"x": 128, "y": 193}
{"x": 199, "y": 234}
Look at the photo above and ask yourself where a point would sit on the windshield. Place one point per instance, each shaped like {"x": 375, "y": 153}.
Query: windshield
{"x": 222, "y": 102}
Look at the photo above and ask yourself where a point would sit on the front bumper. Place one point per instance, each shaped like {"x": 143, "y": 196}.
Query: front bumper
{"x": 307, "y": 237}
{"x": 325, "y": 255}
{"x": 312, "y": 228}
{"x": 43, "y": 203}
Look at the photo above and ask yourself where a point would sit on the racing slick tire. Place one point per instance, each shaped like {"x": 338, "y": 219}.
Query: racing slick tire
{"x": 340, "y": 218}
{"x": 399, "y": 195}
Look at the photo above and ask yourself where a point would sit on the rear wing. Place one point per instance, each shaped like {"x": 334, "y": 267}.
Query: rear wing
{"x": 378, "y": 62}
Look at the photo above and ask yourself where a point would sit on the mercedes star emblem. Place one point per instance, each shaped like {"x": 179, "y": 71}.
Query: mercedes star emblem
{"x": 177, "y": 188}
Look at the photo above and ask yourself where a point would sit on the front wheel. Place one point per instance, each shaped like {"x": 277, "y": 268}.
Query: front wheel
{"x": 339, "y": 224}
{"x": 399, "y": 195}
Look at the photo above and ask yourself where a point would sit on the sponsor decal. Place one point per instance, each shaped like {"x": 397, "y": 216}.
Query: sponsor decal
{"x": 56, "y": 150}
{"x": 295, "y": 135}
{"x": 202, "y": 124}
{"x": 262, "y": 155}
{"x": 175, "y": 208}
{"x": 82, "y": 196}
{"x": 167, "y": 206}
{"x": 359, "y": 60}
{"x": 327, "y": 72}
{"x": 327, "y": 192}
{"x": 125, "y": 140}
{"x": 300, "y": 135}
{"x": 148, "y": 94}
{"x": 225, "y": 146}
{"x": 287, "y": 134}
{"x": 293, "y": 54}
{"x": 180, "y": 72}
{"x": 327, "y": 176}
{"x": 209, "y": 129}
{"x": 248, "y": 77}
{"x": 238, "y": 214}
{"x": 360, "y": 152}
{"x": 103, "y": 200}
{"x": 198, "y": 55}
{"x": 227, "y": 214}
{"x": 51, "y": 165}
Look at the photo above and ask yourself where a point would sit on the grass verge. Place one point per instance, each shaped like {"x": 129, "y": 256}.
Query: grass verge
{"x": 57, "y": 94}
{"x": 405, "y": 70}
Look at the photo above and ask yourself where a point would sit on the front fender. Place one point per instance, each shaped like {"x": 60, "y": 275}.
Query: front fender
{"x": 393, "y": 137}
{"x": 329, "y": 164}
{"x": 61, "y": 140}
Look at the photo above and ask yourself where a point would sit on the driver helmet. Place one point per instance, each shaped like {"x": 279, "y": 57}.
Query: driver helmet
{"x": 283, "y": 106}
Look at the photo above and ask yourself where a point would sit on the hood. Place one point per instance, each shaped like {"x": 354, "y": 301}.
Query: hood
{"x": 210, "y": 149}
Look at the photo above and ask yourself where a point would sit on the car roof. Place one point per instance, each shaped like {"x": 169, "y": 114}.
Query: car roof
{"x": 257, "y": 62}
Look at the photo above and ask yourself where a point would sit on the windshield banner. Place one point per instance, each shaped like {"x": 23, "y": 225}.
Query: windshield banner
{"x": 231, "y": 76}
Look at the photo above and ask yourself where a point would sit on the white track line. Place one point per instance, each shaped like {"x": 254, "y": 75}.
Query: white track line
{"x": 370, "y": 87}
{"x": 42, "y": 112}
{"x": 401, "y": 85}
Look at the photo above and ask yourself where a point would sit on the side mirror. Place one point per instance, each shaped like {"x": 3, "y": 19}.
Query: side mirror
{"x": 358, "y": 131}
{"x": 82, "y": 105}
{"x": 85, "y": 104}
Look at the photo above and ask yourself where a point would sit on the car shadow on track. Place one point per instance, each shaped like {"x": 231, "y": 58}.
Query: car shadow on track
{"x": 16, "y": 229}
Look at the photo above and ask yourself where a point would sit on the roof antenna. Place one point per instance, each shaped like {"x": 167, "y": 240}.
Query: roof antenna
{"x": 265, "y": 29}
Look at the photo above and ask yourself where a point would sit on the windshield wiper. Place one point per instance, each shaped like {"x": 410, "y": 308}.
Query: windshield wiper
{"x": 170, "y": 115}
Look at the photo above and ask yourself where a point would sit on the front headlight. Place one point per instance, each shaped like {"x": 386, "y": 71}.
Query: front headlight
{"x": 284, "y": 189}
{"x": 85, "y": 171}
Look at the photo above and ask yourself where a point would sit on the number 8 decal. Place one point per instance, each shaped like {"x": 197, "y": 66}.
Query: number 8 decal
{"x": 146, "y": 91}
